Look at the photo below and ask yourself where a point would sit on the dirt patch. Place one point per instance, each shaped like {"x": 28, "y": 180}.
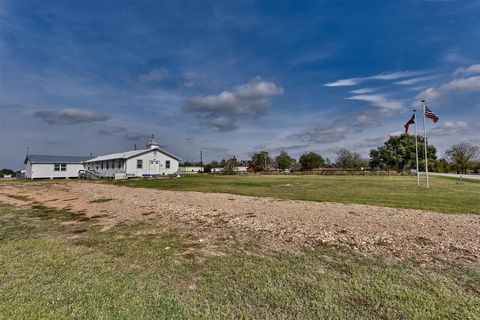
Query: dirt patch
{"x": 214, "y": 219}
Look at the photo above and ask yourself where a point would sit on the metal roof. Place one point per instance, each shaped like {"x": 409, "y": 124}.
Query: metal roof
{"x": 130, "y": 154}
{"x": 39, "y": 158}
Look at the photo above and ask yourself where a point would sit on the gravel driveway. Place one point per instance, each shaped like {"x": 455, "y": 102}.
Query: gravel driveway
{"x": 212, "y": 220}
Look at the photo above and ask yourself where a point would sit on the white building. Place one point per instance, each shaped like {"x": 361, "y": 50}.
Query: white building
{"x": 217, "y": 170}
{"x": 242, "y": 169}
{"x": 152, "y": 161}
{"x": 190, "y": 170}
{"x": 46, "y": 166}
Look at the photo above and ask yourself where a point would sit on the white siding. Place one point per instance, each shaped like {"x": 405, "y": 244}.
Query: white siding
{"x": 46, "y": 170}
{"x": 111, "y": 171}
{"x": 153, "y": 155}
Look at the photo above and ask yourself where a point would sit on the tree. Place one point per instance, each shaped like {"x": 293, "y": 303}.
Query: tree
{"x": 6, "y": 171}
{"x": 230, "y": 164}
{"x": 261, "y": 161}
{"x": 398, "y": 153}
{"x": 462, "y": 156}
{"x": 442, "y": 165}
{"x": 310, "y": 161}
{"x": 347, "y": 159}
{"x": 284, "y": 161}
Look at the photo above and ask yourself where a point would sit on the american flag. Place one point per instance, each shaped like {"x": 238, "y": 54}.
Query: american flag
{"x": 430, "y": 114}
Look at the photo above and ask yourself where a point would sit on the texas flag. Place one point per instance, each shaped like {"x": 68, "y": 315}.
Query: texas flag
{"x": 411, "y": 121}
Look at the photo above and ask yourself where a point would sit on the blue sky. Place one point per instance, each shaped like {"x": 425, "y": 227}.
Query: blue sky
{"x": 231, "y": 78}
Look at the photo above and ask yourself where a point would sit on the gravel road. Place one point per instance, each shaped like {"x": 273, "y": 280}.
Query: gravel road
{"x": 213, "y": 220}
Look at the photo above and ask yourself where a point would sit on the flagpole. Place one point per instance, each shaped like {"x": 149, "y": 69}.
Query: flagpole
{"x": 425, "y": 141}
{"x": 416, "y": 148}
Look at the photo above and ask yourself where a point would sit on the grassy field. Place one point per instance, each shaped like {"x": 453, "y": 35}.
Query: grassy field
{"x": 446, "y": 194}
{"x": 58, "y": 265}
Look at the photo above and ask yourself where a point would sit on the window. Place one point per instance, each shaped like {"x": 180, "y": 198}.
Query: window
{"x": 167, "y": 164}
{"x": 119, "y": 164}
{"x": 107, "y": 165}
{"x": 60, "y": 167}
{"x": 101, "y": 165}
{"x": 139, "y": 164}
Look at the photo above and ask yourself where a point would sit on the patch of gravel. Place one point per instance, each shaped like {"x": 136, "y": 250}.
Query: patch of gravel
{"x": 211, "y": 219}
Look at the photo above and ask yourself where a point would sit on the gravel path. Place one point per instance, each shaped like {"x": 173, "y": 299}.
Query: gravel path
{"x": 212, "y": 219}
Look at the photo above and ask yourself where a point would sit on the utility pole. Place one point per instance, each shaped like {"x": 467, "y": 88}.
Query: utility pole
{"x": 201, "y": 160}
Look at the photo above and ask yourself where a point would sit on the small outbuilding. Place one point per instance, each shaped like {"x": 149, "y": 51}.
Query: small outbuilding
{"x": 50, "y": 167}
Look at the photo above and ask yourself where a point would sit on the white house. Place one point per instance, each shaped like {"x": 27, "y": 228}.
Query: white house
{"x": 152, "y": 161}
{"x": 47, "y": 166}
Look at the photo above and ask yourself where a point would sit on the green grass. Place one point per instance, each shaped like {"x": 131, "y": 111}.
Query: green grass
{"x": 446, "y": 194}
{"x": 50, "y": 270}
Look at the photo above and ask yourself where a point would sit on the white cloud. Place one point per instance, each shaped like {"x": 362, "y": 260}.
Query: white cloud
{"x": 473, "y": 69}
{"x": 70, "y": 116}
{"x": 450, "y": 127}
{"x": 394, "y": 75}
{"x": 379, "y": 100}
{"x": 338, "y": 129}
{"x": 344, "y": 82}
{"x": 414, "y": 80}
{"x": 471, "y": 84}
{"x": 381, "y": 76}
{"x": 154, "y": 75}
{"x": 362, "y": 91}
{"x": 222, "y": 111}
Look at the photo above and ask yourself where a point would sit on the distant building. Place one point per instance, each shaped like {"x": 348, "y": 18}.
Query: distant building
{"x": 242, "y": 169}
{"x": 217, "y": 170}
{"x": 190, "y": 170}
{"x": 236, "y": 170}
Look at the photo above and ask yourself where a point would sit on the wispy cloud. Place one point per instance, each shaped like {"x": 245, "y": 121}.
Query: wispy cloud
{"x": 473, "y": 69}
{"x": 415, "y": 80}
{"x": 362, "y": 91}
{"x": 380, "y": 76}
{"x": 136, "y": 137}
{"x": 450, "y": 127}
{"x": 345, "y": 82}
{"x": 381, "y": 101}
{"x": 221, "y": 112}
{"x": 312, "y": 57}
{"x": 338, "y": 129}
{"x": 70, "y": 116}
{"x": 471, "y": 84}
{"x": 154, "y": 75}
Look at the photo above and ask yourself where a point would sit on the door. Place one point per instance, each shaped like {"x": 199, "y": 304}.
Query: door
{"x": 154, "y": 167}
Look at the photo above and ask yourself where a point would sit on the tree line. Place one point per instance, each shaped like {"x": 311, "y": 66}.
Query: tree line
{"x": 396, "y": 154}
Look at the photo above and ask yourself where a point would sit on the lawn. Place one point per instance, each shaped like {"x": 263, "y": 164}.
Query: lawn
{"x": 58, "y": 265}
{"x": 446, "y": 194}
